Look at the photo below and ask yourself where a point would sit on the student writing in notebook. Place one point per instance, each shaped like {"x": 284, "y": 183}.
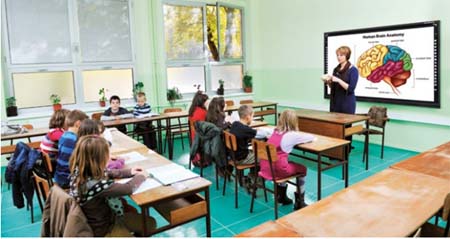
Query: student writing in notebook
{"x": 93, "y": 187}
{"x": 115, "y": 112}
{"x": 285, "y": 137}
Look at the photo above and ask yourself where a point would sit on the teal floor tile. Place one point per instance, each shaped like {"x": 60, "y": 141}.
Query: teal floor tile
{"x": 252, "y": 221}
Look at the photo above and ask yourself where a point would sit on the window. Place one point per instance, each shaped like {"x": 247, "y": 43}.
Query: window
{"x": 43, "y": 86}
{"x": 206, "y": 35}
{"x": 116, "y": 82}
{"x": 71, "y": 48}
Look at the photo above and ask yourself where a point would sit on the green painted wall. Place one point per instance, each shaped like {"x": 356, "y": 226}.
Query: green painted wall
{"x": 287, "y": 57}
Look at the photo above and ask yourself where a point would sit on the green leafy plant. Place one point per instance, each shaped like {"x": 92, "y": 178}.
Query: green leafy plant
{"x": 56, "y": 99}
{"x": 10, "y": 101}
{"x": 247, "y": 80}
{"x": 173, "y": 94}
{"x": 138, "y": 87}
{"x": 102, "y": 94}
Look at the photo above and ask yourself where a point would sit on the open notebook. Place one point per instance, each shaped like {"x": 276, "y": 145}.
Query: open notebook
{"x": 171, "y": 173}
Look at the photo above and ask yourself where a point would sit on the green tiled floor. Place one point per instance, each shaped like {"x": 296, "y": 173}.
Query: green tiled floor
{"x": 226, "y": 221}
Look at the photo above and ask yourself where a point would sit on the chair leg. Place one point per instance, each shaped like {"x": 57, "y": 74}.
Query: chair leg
{"x": 382, "y": 144}
{"x": 253, "y": 197}
{"x": 447, "y": 228}
{"x": 275, "y": 201}
{"x": 264, "y": 189}
{"x": 236, "y": 179}
{"x": 225, "y": 181}
{"x": 31, "y": 211}
{"x": 217, "y": 177}
{"x": 182, "y": 141}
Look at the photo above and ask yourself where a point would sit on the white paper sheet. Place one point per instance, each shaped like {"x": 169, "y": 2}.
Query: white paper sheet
{"x": 148, "y": 184}
{"x": 171, "y": 173}
{"x": 146, "y": 115}
{"x": 132, "y": 157}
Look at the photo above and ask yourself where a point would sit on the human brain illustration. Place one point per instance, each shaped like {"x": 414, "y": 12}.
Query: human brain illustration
{"x": 390, "y": 64}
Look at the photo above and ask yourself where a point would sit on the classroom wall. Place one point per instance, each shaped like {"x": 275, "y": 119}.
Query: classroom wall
{"x": 287, "y": 58}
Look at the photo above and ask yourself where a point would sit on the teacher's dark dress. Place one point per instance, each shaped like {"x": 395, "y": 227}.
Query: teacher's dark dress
{"x": 341, "y": 100}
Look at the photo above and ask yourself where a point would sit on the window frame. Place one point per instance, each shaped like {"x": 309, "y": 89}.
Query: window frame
{"x": 205, "y": 61}
{"x": 76, "y": 66}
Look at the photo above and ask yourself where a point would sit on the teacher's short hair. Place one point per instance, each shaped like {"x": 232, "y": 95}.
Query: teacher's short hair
{"x": 344, "y": 50}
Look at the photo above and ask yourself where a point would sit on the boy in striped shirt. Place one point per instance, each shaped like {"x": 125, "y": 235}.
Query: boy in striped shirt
{"x": 66, "y": 145}
{"x": 145, "y": 129}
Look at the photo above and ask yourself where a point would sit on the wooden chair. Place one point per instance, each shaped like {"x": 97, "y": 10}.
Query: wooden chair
{"x": 97, "y": 115}
{"x": 42, "y": 188}
{"x": 244, "y": 102}
{"x": 378, "y": 118}
{"x": 176, "y": 129}
{"x": 229, "y": 102}
{"x": 265, "y": 151}
{"x": 231, "y": 145}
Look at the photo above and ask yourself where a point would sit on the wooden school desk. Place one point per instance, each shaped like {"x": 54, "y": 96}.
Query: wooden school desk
{"x": 269, "y": 229}
{"x": 434, "y": 162}
{"x": 29, "y": 134}
{"x": 392, "y": 203}
{"x": 332, "y": 125}
{"x": 265, "y": 108}
{"x": 178, "y": 203}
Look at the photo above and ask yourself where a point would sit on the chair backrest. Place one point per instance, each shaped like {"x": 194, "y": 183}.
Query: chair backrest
{"x": 170, "y": 110}
{"x": 229, "y": 102}
{"x": 97, "y": 115}
{"x": 42, "y": 187}
{"x": 243, "y": 102}
{"x": 378, "y": 116}
{"x": 230, "y": 141}
{"x": 265, "y": 152}
{"x": 47, "y": 162}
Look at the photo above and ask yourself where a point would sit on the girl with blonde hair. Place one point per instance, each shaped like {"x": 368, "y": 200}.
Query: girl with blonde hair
{"x": 284, "y": 138}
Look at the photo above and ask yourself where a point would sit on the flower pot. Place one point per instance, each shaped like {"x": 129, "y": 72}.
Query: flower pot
{"x": 11, "y": 111}
{"x": 172, "y": 103}
{"x": 102, "y": 103}
{"x": 220, "y": 90}
{"x": 248, "y": 89}
{"x": 57, "y": 107}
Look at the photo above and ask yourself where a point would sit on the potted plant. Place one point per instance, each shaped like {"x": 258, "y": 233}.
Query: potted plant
{"x": 138, "y": 87}
{"x": 11, "y": 108}
{"x": 103, "y": 98}
{"x": 220, "y": 90}
{"x": 56, "y": 102}
{"x": 173, "y": 94}
{"x": 247, "y": 83}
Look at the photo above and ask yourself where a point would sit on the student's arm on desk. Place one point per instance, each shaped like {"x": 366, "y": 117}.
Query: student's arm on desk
{"x": 293, "y": 138}
{"x": 126, "y": 116}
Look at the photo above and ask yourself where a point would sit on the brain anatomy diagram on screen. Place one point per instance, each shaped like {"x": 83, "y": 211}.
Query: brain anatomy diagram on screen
{"x": 389, "y": 64}
{"x": 396, "y": 64}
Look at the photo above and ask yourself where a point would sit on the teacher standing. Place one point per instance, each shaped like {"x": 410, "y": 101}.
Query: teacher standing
{"x": 343, "y": 83}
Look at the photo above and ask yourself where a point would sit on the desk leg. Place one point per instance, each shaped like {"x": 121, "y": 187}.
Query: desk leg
{"x": 159, "y": 129}
{"x": 169, "y": 139}
{"x": 347, "y": 156}
{"x": 144, "y": 221}
{"x": 366, "y": 145}
{"x": 319, "y": 176}
{"x": 208, "y": 214}
{"x": 276, "y": 114}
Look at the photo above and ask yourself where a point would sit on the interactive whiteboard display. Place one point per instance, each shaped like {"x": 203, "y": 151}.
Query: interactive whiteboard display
{"x": 396, "y": 64}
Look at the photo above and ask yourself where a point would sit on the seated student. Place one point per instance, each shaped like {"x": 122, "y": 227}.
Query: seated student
{"x": 66, "y": 145}
{"x": 197, "y": 111}
{"x": 285, "y": 137}
{"x": 244, "y": 134}
{"x": 116, "y": 112}
{"x": 49, "y": 144}
{"x": 216, "y": 113}
{"x": 93, "y": 187}
{"x": 142, "y": 108}
{"x": 88, "y": 127}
